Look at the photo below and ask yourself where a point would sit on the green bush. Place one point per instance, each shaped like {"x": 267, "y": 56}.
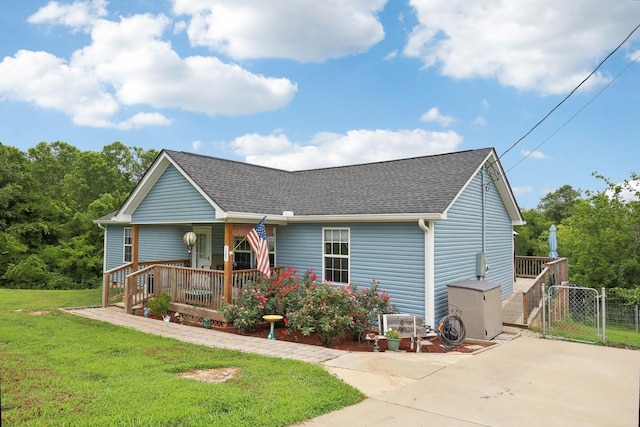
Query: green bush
{"x": 280, "y": 295}
{"x": 325, "y": 310}
{"x": 160, "y": 305}
{"x": 309, "y": 307}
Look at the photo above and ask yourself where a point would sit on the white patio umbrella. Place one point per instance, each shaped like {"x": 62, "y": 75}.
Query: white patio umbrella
{"x": 553, "y": 242}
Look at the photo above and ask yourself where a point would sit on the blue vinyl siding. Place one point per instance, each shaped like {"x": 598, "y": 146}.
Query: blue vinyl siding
{"x": 390, "y": 253}
{"x": 459, "y": 238}
{"x": 300, "y": 246}
{"x": 115, "y": 243}
{"x": 173, "y": 199}
{"x": 159, "y": 242}
{"x": 499, "y": 243}
{"x": 156, "y": 243}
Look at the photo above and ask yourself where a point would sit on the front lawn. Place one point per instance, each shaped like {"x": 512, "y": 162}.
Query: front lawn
{"x": 59, "y": 369}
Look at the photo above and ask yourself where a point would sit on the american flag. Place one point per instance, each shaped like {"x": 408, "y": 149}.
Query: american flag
{"x": 257, "y": 239}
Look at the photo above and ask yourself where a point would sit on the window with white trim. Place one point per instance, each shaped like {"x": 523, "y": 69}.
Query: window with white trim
{"x": 335, "y": 257}
{"x": 243, "y": 256}
{"x": 127, "y": 249}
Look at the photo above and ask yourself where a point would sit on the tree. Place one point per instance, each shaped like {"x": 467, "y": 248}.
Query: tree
{"x": 602, "y": 240}
{"x": 559, "y": 205}
{"x": 532, "y": 238}
{"x": 49, "y": 198}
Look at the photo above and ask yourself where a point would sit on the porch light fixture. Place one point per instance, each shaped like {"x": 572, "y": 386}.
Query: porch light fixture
{"x": 189, "y": 240}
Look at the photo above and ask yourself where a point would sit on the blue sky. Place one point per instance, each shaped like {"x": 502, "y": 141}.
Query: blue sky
{"x": 304, "y": 84}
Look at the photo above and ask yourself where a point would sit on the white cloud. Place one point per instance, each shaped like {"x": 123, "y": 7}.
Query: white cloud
{"x": 144, "y": 119}
{"x": 78, "y": 15}
{"x": 195, "y": 145}
{"x": 49, "y": 82}
{"x": 522, "y": 191}
{"x": 303, "y": 31}
{"x": 391, "y": 55}
{"x": 536, "y": 154}
{"x": 539, "y": 45}
{"x": 129, "y": 64}
{"x": 485, "y": 105}
{"x": 479, "y": 121}
{"x": 332, "y": 149}
{"x": 434, "y": 115}
{"x": 628, "y": 191}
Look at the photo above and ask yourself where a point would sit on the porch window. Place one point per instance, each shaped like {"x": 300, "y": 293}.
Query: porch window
{"x": 335, "y": 258}
{"x": 127, "y": 249}
{"x": 245, "y": 259}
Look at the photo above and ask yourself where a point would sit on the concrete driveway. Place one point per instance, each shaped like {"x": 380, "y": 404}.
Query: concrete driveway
{"x": 524, "y": 382}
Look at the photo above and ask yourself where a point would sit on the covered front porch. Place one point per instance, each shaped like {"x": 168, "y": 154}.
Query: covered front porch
{"x": 200, "y": 284}
{"x": 202, "y": 291}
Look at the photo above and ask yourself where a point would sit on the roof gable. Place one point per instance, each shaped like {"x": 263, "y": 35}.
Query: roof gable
{"x": 415, "y": 187}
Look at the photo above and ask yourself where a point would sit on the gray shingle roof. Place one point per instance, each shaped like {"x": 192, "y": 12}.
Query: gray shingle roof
{"x": 417, "y": 185}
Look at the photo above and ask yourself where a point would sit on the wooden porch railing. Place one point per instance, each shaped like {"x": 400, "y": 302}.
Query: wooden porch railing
{"x": 544, "y": 270}
{"x": 113, "y": 281}
{"x": 192, "y": 286}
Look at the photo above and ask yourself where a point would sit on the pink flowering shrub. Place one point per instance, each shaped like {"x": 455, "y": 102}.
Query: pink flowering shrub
{"x": 278, "y": 295}
{"x": 369, "y": 304}
{"x": 324, "y": 310}
{"x": 309, "y": 307}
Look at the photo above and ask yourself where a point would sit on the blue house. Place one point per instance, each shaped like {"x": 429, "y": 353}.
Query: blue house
{"x": 415, "y": 224}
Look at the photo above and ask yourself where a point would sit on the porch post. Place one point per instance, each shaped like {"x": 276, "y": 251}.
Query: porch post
{"x": 228, "y": 263}
{"x": 135, "y": 233}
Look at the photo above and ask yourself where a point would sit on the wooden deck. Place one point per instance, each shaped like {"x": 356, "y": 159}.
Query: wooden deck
{"x": 522, "y": 307}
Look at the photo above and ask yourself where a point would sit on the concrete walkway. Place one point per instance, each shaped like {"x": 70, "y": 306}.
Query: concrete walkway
{"x": 210, "y": 338}
{"x": 523, "y": 382}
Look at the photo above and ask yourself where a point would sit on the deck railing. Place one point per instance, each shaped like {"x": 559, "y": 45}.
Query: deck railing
{"x": 113, "y": 281}
{"x": 544, "y": 270}
{"x": 193, "y": 286}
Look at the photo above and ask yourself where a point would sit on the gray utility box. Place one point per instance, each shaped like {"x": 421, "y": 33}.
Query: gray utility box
{"x": 480, "y": 307}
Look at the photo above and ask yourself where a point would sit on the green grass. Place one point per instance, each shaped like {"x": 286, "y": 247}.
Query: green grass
{"x": 60, "y": 369}
{"x": 619, "y": 337}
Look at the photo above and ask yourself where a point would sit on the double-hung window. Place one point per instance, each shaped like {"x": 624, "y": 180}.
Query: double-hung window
{"x": 127, "y": 248}
{"x": 335, "y": 259}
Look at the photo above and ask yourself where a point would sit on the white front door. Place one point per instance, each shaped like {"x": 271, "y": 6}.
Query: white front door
{"x": 201, "y": 254}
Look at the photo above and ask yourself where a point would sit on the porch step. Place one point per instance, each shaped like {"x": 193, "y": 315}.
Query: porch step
{"x": 121, "y": 305}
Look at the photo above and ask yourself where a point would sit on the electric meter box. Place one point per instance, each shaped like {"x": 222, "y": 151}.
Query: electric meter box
{"x": 480, "y": 307}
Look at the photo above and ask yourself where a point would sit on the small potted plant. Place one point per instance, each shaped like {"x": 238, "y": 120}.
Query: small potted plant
{"x": 393, "y": 339}
{"x": 160, "y": 306}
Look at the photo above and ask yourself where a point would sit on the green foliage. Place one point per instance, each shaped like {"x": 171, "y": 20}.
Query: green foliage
{"x": 268, "y": 296}
{"x": 31, "y": 271}
{"x": 392, "y": 334}
{"x": 160, "y": 305}
{"x": 602, "y": 241}
{"x": 532, "y": 238}
{"x": 60, "y": 369}
{"x": 559, "y": 205}
{"x": 309, "y": 307}
{"x": 49, "y": 198}
{"x": 324, "y": 310}
{"x": 369, "y": 304}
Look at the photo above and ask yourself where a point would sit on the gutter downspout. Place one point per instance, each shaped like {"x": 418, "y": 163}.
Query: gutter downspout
{"x": 429, "y": 280}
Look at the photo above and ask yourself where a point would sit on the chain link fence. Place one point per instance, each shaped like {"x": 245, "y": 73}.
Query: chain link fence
{"x": 589, "y": 315}
{"x": 573, "y": 313}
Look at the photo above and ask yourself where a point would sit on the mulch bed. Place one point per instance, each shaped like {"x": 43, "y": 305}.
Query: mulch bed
{"x": 346, "y": 342}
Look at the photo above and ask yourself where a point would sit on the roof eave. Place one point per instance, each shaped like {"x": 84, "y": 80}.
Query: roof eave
{"x": 288, "y": 217}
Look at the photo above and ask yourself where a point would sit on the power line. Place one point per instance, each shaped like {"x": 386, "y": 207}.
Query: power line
{"x": 572, "y": 92}
{"x": 577, "y": 112}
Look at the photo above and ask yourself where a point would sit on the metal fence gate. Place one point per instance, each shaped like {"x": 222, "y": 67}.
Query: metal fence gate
{"x": 573, "y": 313}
